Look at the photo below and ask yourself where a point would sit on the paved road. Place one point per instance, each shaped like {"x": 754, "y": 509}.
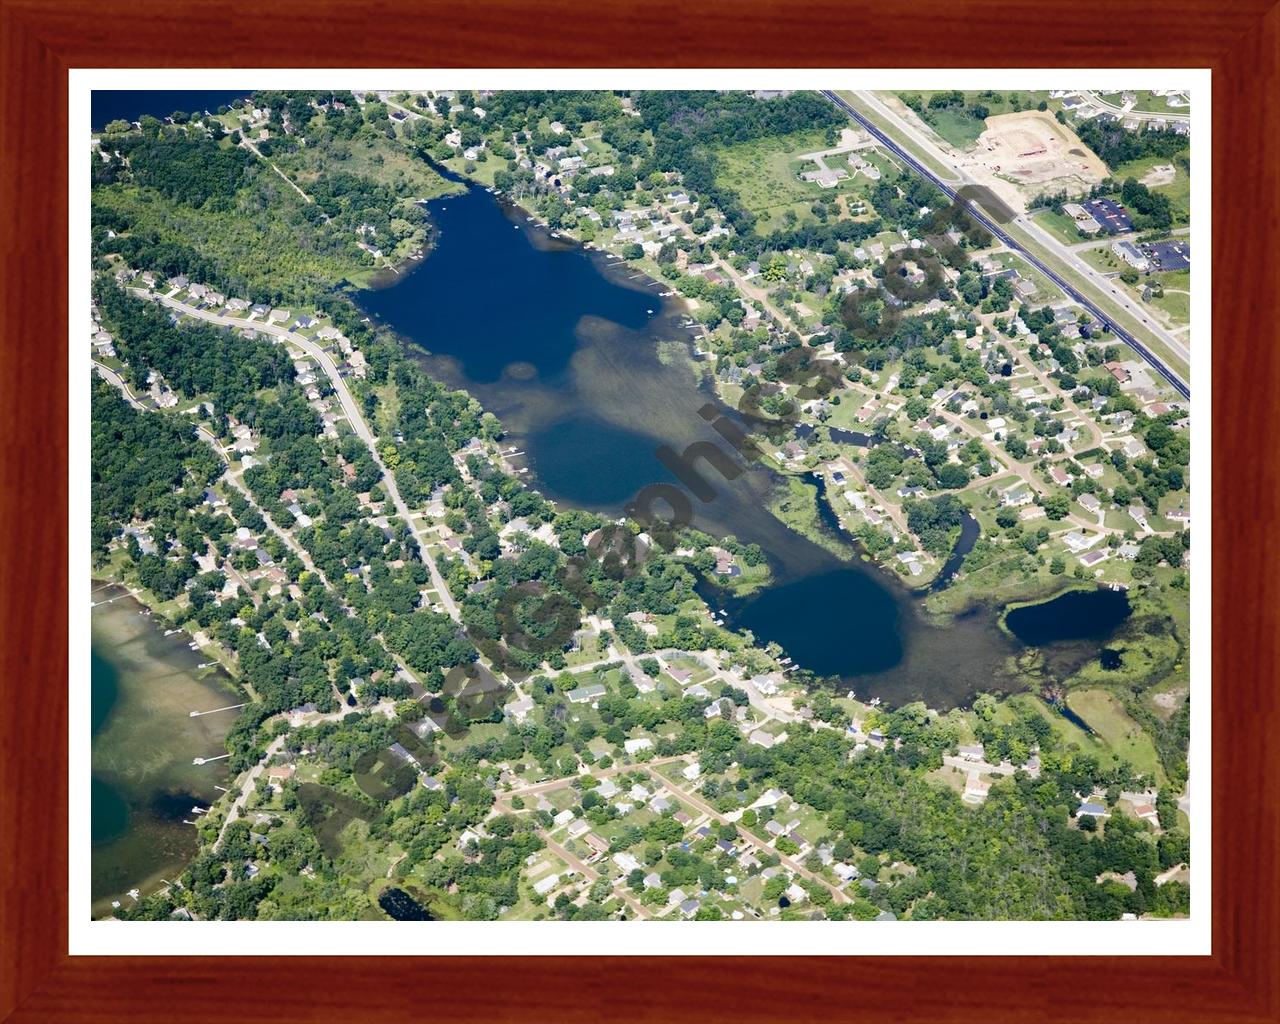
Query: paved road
{"x": 592, "y": 875}
{"x": 114, "y": 378}
{"x": 247, "y": 786}
{"x": 537, "y": 788}
{"x": 1025, "y": 223}
{"x": 1140, "y": 115}
{"x": 350, "y": 409}
{"x": 790, "y": 862}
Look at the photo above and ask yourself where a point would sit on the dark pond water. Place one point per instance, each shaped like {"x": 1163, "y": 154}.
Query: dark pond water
{"x": 840, "y": 435}
{"x": 400, "y": 906}
{"x": 1075, "y": 615}
{"x": 969, "y": 533}
{"x": 833, "y": 606}
{"x": 591, "y": 371}
{"x": 1110, "y": 658}
{"x": 1072, "y": 717}
{"x": 130, "y": 104}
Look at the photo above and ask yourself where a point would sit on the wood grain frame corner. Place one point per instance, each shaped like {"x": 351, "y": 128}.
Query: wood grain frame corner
{"x": 40, "y": 41}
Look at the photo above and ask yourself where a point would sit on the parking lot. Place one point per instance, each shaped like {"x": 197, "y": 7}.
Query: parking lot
{"x": 1113, "y": 217}
{"x": 1170, "y": 255}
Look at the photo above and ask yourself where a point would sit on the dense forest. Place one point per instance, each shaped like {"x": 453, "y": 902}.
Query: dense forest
{"x": 1116, "y": 145}
{"x": 196, "y": 359}
{"x": 688, "y": 127}
{"x": 190, "y": 170}
{"x": 144, "y": 465}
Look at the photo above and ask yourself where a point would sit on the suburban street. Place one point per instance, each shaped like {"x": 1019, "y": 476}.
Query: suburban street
{"x": 1140, "y": 115}
{"x": 789, "y": 862}
{"x": 350, "y": 409}
{"x": 113, "y": 378}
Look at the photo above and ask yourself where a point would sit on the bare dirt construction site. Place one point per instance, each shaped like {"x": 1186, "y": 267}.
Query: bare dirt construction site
{"x": 1022, "y": 155}
{"x": 1160, "y": 174}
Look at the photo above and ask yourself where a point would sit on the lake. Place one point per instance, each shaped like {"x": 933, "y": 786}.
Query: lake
{"x": 130, "y": 104}
{"x": 1090, "y": 614}
{"x": 591, "y": 371}
{"x": 143, "y": 686}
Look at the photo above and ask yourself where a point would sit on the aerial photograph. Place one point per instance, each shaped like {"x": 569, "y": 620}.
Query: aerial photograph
{"x": 629, "y": 505}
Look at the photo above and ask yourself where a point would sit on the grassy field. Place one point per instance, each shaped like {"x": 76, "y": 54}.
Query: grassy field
{"x": 1177, "y": 295}
{"x": 1147, "y": 102}
{"x": 797, "y": 507}
{"x": 959, "y": 127}
{"x": 1000, "y": 582}
{"x": 764, "y": 172}
{"x": 1046, "y": 290}
{"x": 1178, "y": 190}
{"x": 1175, "y": 304}
{"x": 1107, "y": 717}
{"x": 377, "y": 158}
{"x": 1060, "y": 226}
{"x": 1067, "y": 732}
{"x": 1102, "y": 258}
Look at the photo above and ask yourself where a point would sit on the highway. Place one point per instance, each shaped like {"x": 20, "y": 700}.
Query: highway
{"x": 998, "y": 232}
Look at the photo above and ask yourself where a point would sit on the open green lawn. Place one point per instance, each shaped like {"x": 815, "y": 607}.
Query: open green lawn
{"x": 764, "y": 172}
{"x": 958, "y": 126}
{"x": 1045, "y": 292}
{"x": 1146, "y": 102}
{"x": 1068, "y": 733}
{"x": 1107, "y": 717}
{"x": 1060, "y": 226}
{"x": 1101, "y": 258}
{"x": 1177, "y": 305}
{"x": 1176, "y": 301}
{"x": 1178, "y": 190}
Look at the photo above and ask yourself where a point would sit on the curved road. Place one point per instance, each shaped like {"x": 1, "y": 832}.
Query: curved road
{"x": 350, "y": 409}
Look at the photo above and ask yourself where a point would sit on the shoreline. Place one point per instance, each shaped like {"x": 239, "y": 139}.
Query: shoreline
{"x": 850, "y": 555}
{"x": 143, "y": 748}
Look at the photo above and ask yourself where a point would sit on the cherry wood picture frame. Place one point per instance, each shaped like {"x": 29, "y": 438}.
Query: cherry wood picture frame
{"x": 40, "y": 41}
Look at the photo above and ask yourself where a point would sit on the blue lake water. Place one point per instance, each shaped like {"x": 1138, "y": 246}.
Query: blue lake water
{"x": 130, "y": 104}
{"x": 591, "y": 371}
{"x": 513, "y": 281}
